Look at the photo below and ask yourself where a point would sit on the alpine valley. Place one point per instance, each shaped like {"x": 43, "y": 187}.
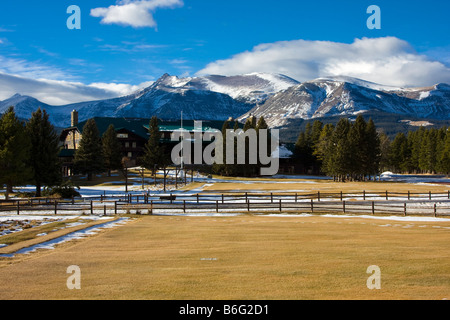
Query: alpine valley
{"x": 284, "y": 102}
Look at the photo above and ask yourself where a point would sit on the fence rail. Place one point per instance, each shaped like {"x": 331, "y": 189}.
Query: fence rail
{"x": 397, "y": 203}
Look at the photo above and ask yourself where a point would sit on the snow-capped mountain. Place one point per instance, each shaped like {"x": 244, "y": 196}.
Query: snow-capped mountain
{"x": 200, "y": 98}
{"x": 278, "y": 98}
{"x": 346, "y": 96}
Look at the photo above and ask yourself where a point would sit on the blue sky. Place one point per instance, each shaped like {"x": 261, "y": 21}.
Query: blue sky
{"x": 191, "y": 37}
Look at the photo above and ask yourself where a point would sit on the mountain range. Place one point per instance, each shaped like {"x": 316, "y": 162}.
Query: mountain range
{"x": 280, "y": 99}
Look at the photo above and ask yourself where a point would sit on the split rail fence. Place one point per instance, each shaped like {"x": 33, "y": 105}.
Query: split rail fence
{"x": 397, "y": 203}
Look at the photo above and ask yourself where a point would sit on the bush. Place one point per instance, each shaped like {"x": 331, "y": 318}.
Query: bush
{"x": 65, "y": 191}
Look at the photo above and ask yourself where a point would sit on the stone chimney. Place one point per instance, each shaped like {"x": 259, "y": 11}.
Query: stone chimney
{"x": 74, "y": 118}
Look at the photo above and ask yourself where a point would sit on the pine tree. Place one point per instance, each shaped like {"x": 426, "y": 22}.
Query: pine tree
{"x": 445, "y": 154}
{"x": 155, "y": 156}
{"x": 248, "y": 169}
{"x": 14, "y": 151}
{"x": 385, "y": 147}
{"x": 112, "y": 154}
{"x": 340, "y": 160}
{"x": 217, "y": 167}
{"x": 357, "y": 141}
{"x": 324, "y": 148}
{"x": 88, "y": 157}
{"x": 399, "y": 153}
{"x": 43, "y": 159}
{"x": 372, "y": 147}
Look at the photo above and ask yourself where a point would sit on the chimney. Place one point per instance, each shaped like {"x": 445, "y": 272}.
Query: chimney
{"x": 74, "y": 118}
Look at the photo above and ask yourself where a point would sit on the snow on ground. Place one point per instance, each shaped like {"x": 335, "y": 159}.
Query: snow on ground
{"x": 414, "y": 179}
{"x": 69, "y": 237}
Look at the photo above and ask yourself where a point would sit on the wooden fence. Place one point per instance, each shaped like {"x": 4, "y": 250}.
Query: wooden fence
{"x": 408, "y": 203}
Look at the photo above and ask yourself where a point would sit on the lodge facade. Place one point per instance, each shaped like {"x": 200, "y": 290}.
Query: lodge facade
{"x": 132, "y": 133}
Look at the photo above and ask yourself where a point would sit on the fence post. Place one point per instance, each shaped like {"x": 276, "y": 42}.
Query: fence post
{"x": 184, "y": 206}
{"x": 115, "y": 207}
{"x": 198, "y": 200}
{"x": 104, "y": 209}
{"x": 341, "y": 195}
{"x": 217, "y": 206}
{"x": 409, "y": 195}
{"x": 18, "y": 207}
{"x": 280, "y": 205}
{"x": 271, "y": 197}
{"x": 404, "y": 209}
{"x": 248, "y": 206}
{"x": 343, "y": 205}
{"x": 364, "y": 194}
{"x": 373, "y": 207}
{"x": 312, "y": 206}
{"x": 92, "y": 208}
{"x": 318, "y": 196}
{"x": 296, "y": 197}
{"x": 435, "y": 210}
{"x": 430, "y": 195}
{"x": 56, "y": 206}
{"x": 387, "y": 195}
{"x": 223, "y": 200}
{"x": 246, "y": 197}
{"x": 171, "y": 199}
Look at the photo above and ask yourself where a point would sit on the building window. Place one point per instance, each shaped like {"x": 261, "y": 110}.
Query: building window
{"x": 127, "y": 144}
{"x": 122, "y": 135}
{"x": 134, "y": 145}
{"x": 130, "y": 154}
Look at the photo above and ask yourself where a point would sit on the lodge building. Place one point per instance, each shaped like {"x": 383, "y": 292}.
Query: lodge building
{"x": 132, "y": 133}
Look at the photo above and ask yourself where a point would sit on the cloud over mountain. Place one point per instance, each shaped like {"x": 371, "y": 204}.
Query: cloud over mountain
{"x": 387, "y": 60}
{"x": 57, "y": 92}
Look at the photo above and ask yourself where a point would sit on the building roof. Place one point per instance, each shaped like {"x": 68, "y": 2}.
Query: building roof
{"x": 140, "y": 126}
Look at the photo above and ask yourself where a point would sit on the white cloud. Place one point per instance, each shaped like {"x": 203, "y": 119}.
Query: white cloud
{"x": 388, "y": 60}
{"x": 56, "y": 92}
{"x": 133, "y": 13}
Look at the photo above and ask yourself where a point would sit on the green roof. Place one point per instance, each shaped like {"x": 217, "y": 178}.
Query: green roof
{"x": 141, "y": 126}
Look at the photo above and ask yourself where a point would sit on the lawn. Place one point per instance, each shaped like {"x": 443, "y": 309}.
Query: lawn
{"x": 241, "y": 257}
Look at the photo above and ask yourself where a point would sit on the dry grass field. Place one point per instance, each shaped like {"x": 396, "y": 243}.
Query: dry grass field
{"x": 241, "y": 257}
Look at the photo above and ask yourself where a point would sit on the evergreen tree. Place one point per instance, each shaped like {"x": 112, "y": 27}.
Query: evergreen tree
{"x": 88, "y": 157}
{"x": 217, "y": 167}
{"x": 43, "y": 158}
{"x": 340, "y": 160}
{"x": 400, "y": 153}
{"x": 357, "y": 143}
{"x": 444, "y": 158}
{"x": 248, "y": 169}
{"x": 385, "y": 147}
{"x": 372, "y": 147}
{"x": 155, "y": 155}
{"x": 14, "y": 151}
{"x": 112, "y": 154}
{"x": 324, "y": 148}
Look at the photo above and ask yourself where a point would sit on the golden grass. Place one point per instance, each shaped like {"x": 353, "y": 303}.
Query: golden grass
{"x": 243, "y": 257}
{"x": 28, "y": 237}
{"x": 306, "y": 186}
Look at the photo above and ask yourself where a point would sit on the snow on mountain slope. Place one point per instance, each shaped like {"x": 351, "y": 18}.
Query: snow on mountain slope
{"x": 276, "y": 97}
{"x": 347, "y": 96}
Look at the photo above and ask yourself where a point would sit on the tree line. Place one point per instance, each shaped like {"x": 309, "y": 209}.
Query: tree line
{"x": 29, "y": 152}
{"x": 357, "y": 151}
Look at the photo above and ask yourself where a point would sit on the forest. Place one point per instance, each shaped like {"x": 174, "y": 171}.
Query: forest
{"x": 356, "y": 150}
